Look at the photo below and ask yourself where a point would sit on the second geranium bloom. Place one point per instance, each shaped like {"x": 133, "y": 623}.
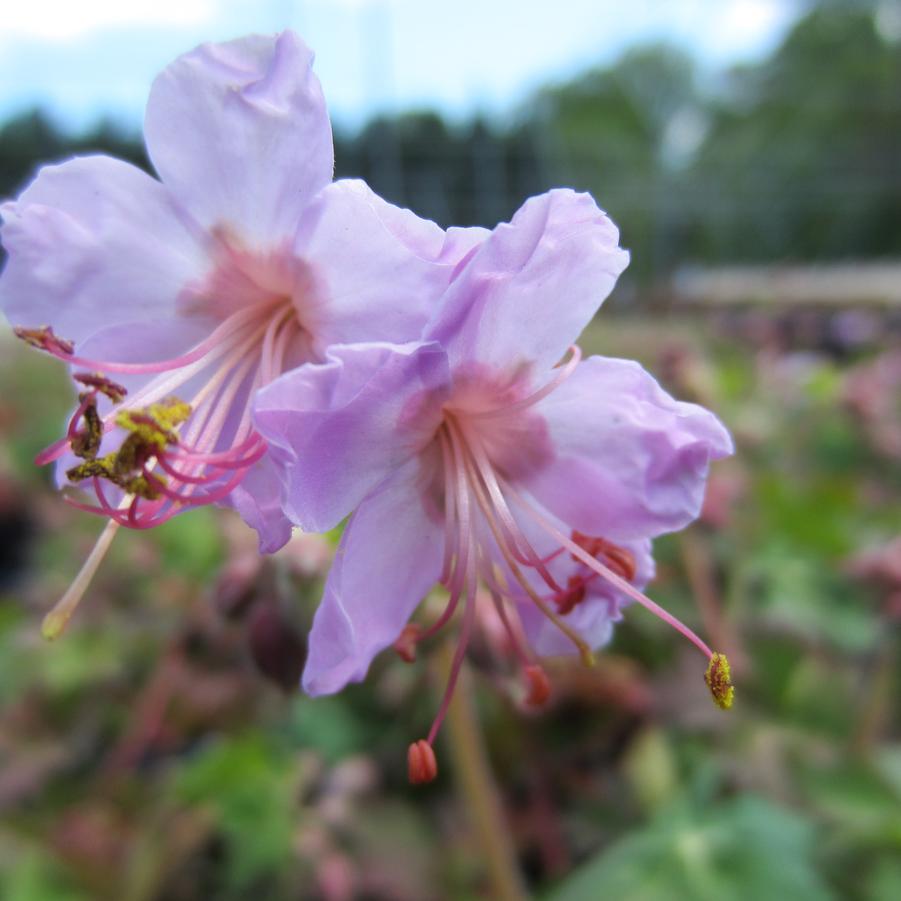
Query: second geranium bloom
{"x": 468, "y": 458}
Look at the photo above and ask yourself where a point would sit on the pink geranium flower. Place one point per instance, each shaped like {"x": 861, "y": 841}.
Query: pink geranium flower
{"x": 175, "y": 301}
{"x": 468, "y": 459}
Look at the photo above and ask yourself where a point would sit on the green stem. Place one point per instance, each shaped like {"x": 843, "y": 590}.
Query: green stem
{"x": 475, "y": 785}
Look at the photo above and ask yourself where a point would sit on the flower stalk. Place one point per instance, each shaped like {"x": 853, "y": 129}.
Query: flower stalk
{"x": 475, "y": 784}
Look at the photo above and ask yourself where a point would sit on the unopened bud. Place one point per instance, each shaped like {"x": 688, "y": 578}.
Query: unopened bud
{"x": 277, "y": 649}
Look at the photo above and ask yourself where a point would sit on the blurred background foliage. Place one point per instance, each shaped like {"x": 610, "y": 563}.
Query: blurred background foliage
{"x": 160, "y": 750}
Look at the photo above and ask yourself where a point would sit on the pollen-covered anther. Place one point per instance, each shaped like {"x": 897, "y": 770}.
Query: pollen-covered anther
{"x": 98, "y": 382}
{"x": 43, "y": 338}
{"x": 102, "y": 468}
{"x": 719, "y": 680}
{"x": 152, "y": 429}
{"x": 405, "y": 645}
{"x": 85, "y": 442}
{"x": 422, "y": 766}
{"x": 539, "y": 685}
{"x": 156, "y": 424}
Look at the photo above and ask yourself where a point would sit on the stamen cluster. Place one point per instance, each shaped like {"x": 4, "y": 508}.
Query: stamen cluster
{"x": 159, "y": 471}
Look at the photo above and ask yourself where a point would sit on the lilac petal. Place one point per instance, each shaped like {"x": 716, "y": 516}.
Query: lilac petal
{"x": 530, "y": 289}
{"x": 94, "y": 242}
{"x": 421, "y": 236}
{"x": 257, "y": 499}
{"x": 593, "y": 618}
{"x": 240, "y": 133}
{"x": 630, "y": 461}
{"x": 145, "y": 341}
{"x": 377, "y": 270}
{"x": 426, "y": 239}
{"x": 389, "y": 557}
{"x": 337, "y": 429}
{"x": 460, "y": 244}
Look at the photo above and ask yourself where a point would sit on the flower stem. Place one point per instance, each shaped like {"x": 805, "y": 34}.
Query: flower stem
{"x": 476, "y": 785}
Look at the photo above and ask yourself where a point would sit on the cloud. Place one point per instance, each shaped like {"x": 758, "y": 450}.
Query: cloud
{"x": 65, "y": 20}
{"x": 745, "y": 23}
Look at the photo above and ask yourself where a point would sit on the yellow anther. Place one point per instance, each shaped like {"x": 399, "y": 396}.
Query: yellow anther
{"x": 152, "y": 429}
{"x": 155, "y": 425}
{"x": 104, "y": 468}
{"x": 719, "y": 680}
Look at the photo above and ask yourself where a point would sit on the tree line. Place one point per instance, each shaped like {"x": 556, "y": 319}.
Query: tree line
{"x": 796, "y": 157}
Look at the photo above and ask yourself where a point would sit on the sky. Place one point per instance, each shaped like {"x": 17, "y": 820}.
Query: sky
{"x": 83, "y": 59}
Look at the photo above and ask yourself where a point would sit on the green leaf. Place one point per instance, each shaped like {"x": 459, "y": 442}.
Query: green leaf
{"x": 251, "y": 789}
{"x": 32, "y": 876}
{"x": 191, "y": 544}
{"x": 744, "y": 850}
{"x": 326, "y": 725}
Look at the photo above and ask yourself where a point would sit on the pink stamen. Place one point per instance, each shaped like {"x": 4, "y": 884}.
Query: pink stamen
{"x": 450, "y": 515}
{"x": 469, "y": 615}
{"x": 484, "y": 503}
{"x": 133, "y": 512}
{"x": 186, "y": 453}
{"x": 519, "y": 546}
{"x": 460, "y": 542}
{"x": 221, "y": 462}
{"x": 122, "y": 515}
{"x": 524, "y": 657}
{"x": 209, "y": 497}
{"x": 75, "y": 421}
{"x": 211, "y": 343}
{"x": 52, "y": 452}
